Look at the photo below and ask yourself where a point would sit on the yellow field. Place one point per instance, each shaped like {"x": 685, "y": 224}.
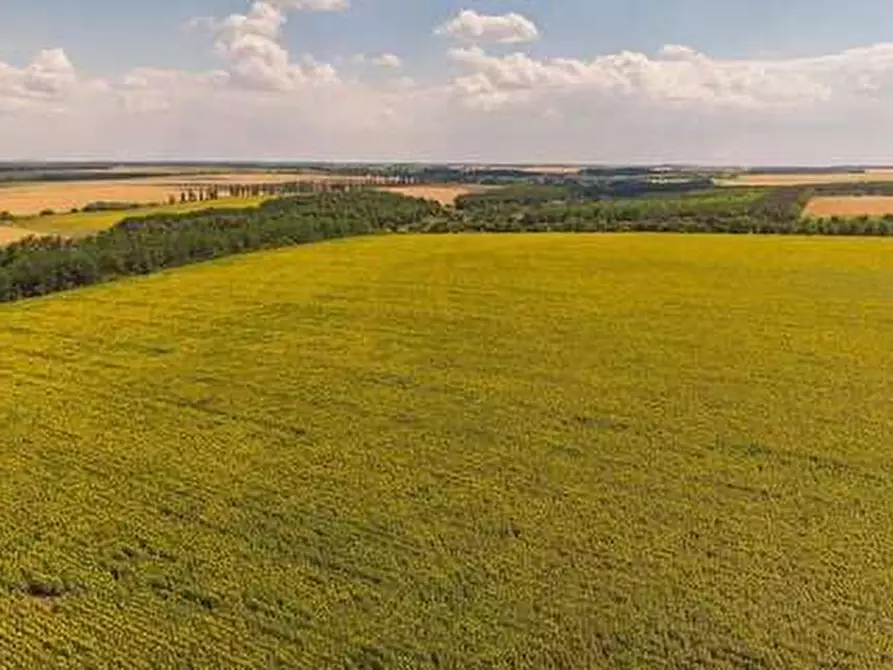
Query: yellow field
{"x": 81, "y": 224}
{"x": 456, "y": 452}
{"x": 849, "y": 206}
{"x": 807, "y": 179}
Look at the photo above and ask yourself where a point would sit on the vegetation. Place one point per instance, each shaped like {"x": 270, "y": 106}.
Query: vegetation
{"x": 87, "y": 222}
{"x": 526, "y": 451}
{"x": 189, "y": 233}
{"x": 757, "y": 211}
{"x": 716, "y": 210}
{"x": 38, "y": 266}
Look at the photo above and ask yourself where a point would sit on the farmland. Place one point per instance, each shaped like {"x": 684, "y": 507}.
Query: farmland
{"x": 81, "y": 224}
{"x": 849, "y": 206}
{"x": 29, "y": 198}
{"x": 32, "y": 198}
{"x": 808, "y": 178}
{"x": 10, "y": 234}
{"x": 533, "y": 451}
{"x": 445, "y": 195}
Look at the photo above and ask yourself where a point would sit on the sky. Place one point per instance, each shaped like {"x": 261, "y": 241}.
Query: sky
{"x": 760, "y": 82}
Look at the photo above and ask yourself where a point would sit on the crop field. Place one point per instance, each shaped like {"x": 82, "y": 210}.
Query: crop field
{"x": 467, "y": 451}
{"x": 445, "y": 195}
{"x": 81, "y": 224}
{"x": 33, "y": 197}
{"x": 849, "y": 206}
{"x": 9, "y": 234}
{"x": 808, "y": 178}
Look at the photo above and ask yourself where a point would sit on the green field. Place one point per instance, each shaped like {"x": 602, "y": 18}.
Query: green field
{"x": 517, "y": 451}
{"x": 81, "y": 224}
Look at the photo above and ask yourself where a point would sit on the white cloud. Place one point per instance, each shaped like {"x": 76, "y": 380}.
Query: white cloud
{"x": 503, "y": 29}
{"x": 250, "y": 43}
{"x": 312, "y": 5}
{"x": 678, "y": 76}
{"x": 48, "y": 84}
{"x": 388, "y": 60}
{"x": 385, "y": 60}
{"x": 269, "y": 101}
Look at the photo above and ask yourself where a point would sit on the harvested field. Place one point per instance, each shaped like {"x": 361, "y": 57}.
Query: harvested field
{"x": 35, "y": 197}
{"x": 849, "y": 206}
{"x": 8, "y": 234}
{"x": 807, "y": 179}
{"x": 445, "y": 195}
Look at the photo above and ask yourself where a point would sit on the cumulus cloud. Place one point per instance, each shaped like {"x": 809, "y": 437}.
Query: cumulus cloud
{"x": 251, "y": 44}
{"x": 503, "y": 28}
{"x": 678, "y": 104}
{"x": 49, "y": 76}
{"x": 385, "y": 60}
{"x": 49, "y": 83}
{"x": 677, "y": 76}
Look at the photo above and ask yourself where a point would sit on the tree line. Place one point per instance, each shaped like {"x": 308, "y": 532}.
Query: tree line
{"x": 137, "y": 246}
{"x": 733, "y": 210}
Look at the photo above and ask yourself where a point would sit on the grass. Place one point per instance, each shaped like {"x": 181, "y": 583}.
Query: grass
{"x": 82, "y": 224}
{"x": 527, "y": 451}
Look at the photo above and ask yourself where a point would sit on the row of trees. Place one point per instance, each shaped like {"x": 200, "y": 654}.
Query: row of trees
{"x": 39, "y": 266}
{"x": 758, "y": 211}
{"x": 196, "y": 192}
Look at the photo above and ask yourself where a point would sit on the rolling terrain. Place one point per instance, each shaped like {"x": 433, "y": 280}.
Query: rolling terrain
{"x": 471, "y": 451}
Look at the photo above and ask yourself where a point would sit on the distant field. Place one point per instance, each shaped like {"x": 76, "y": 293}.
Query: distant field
{"x": 81, "y": 224}
{"x": 252, "y": 178}
{"x": 445, "y": 195}
{"x": 550, "y": 169}
{"x": 9, "y": 234}
{"x": 33, "y": 197}
{"x": 849, "y": 206}
{"x": 462, "y": 452}
{"x": 807, "y": 179}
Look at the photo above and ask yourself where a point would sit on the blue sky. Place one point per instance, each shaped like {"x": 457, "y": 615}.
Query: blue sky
{"x": 109, "y": 35}
{"x": 474, "y": 79}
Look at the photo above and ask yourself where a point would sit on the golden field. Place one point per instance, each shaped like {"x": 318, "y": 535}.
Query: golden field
{"x": 807, "y": 179}
{"x": 33, "y": 197}
{"x": 849, "y": 206}
{"x": 10, "y": 234}
{"x": 445, "y": 195}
